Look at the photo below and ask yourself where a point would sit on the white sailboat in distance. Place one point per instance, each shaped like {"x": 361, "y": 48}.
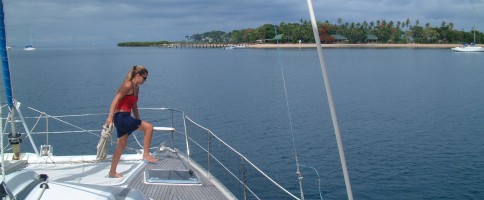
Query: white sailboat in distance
{"x": 472, "y": 47}
{"x": 30, "y": 47}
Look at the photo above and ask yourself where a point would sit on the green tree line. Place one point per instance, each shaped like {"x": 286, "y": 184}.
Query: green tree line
{"x": 386, "y": 32}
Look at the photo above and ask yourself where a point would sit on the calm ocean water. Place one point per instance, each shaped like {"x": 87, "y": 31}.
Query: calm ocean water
{"x": 412, "y": 120}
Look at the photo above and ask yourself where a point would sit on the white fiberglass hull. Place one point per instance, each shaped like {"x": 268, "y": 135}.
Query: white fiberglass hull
{"x": 30, "y": 49}
{"x": 468, "y": 49}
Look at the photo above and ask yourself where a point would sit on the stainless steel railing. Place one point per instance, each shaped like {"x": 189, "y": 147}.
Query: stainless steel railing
{"x": 240, "y": 175}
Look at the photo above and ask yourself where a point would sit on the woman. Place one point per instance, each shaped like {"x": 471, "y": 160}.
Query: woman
{"x": 123, "y": 103}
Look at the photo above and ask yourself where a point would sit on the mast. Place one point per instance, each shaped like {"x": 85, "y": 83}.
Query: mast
{"x": 14, "y": 138}
{"x": 330, "y": 101}
{"x": 474, "y": 25}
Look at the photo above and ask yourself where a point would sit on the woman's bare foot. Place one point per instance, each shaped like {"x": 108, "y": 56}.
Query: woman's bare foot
{"x": 150, "y": 159}
{"x": 114, "y": 175}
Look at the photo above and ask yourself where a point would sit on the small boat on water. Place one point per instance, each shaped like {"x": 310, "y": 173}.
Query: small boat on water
{"x": 231, "y": 46}
{"x": 29, "y": 48}
{"x": 472, "y": 47}
{"x": 468, "y": 48}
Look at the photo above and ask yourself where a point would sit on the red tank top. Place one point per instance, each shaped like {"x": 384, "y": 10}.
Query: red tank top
{"x": 126, "y": 103}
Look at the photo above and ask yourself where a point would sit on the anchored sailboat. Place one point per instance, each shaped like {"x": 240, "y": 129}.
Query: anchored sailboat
{"x": 30, "y": 47}
{"x": 472, "y": 47}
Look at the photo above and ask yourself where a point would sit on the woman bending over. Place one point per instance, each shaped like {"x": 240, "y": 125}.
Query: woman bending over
{"x": 125, "y": 103}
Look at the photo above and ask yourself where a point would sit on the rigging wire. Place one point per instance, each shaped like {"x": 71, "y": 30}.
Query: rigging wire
{"x": 298, "y": 171}
{"x": 331, "y": 105}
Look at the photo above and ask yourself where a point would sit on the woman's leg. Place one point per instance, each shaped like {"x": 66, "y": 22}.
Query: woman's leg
{"x": 147, "y": 128}
{"x": 122, "y": 142}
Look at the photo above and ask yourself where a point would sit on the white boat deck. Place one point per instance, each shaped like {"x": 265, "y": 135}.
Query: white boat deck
{"x": 86, "y": 171}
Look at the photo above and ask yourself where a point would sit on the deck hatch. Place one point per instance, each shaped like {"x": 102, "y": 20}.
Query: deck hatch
{"x": 162, "y": 176}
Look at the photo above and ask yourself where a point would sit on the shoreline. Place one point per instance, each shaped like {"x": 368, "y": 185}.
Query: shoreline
{"x": 376, "y": 45}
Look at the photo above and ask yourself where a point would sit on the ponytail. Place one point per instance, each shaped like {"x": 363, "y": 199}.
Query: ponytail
{"x": 137, "y": 69}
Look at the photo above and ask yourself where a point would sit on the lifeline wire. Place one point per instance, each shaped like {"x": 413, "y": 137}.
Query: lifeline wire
{"x": 70, "y": 124}
{"x": 82, "y": 130}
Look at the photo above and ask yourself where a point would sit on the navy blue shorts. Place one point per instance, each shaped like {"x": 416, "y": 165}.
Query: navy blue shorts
{"x": 125, "y": 123}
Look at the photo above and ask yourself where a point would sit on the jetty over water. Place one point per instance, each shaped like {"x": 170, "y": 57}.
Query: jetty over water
{"x": 193, "y": 45}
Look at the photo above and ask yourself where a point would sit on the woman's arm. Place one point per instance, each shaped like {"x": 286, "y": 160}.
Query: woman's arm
{"x": 123, "y": 90}
{"x": 135, "y": 110}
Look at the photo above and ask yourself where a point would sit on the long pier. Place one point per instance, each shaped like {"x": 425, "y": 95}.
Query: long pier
{"x": 190, "y": 45}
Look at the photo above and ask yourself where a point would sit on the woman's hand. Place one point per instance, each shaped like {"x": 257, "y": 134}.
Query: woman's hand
{"x": 109, "y": 121}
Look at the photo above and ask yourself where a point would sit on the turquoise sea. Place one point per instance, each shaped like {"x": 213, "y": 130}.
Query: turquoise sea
{"x": 412, "y": 120}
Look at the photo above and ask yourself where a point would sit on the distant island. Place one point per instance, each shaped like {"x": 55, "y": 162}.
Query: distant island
{"x": 144, "y": 44}
{"x": 378, "y": 32}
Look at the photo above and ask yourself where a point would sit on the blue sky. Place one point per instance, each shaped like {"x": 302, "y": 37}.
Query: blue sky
{"x": 107, "y": 22}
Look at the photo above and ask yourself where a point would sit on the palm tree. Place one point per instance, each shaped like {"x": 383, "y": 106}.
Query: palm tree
{"x": 390, "y": 24}
{"x": 443, "y": 24}
{"x": 451, "y": 26}
{"x": 365, "y": 25}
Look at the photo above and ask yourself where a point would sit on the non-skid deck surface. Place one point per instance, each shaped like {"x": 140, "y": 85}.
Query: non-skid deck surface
{"x": 170, "y": 161}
